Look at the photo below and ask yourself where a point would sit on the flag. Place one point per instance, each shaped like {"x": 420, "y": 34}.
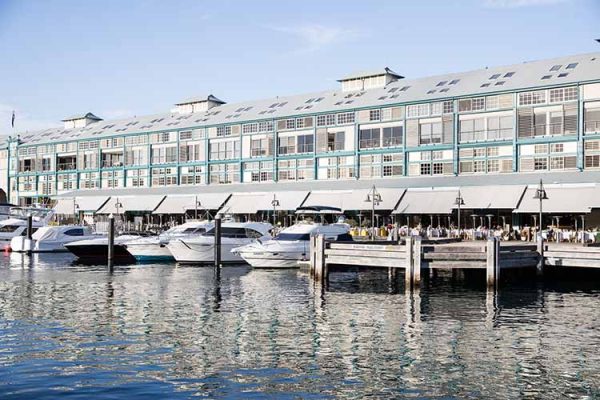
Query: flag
{"x": 12, "y": 121}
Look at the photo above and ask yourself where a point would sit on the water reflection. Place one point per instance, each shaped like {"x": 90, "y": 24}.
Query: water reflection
{"x": 181, "y": 330}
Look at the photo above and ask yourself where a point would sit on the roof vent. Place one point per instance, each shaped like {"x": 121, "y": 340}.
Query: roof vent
{"x": 80, "y": 120}
{"x": 369, "y": 79}
{"x": 197, "y": 104}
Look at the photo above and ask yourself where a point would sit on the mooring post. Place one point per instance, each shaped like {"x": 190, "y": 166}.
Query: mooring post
{"x": 312, "y": 259}
{"x": 29, "y": 244}
{"x": 492, "y": 262}
{"x": 540, "y": 249}
{"x": 417, "y": 259}
{"x": 111, "y": 240}
{"x": 217, "y": 241}
{"x": 320, "y": 258}
{"x": 408, "y": 266}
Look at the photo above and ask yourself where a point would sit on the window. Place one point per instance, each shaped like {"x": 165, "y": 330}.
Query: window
{"x": 555, "y": 68}
{"x": 374, "y": 115}
{"x": 436, "y": 108}
{"x": 345, "y": 118}
{"x": 224, "y": 150}
{"x": 287, "y": 145}
{"x": 546, "y": 77}
{"x": 369, "y": 138}
{"x": 425, "y": 169}
{"x": 223, "y": 130}
{"x": 290, "y": 123}
{"x": 448, "y": 106}
{"x": 454, "y": 81}
{"x": 260, "y": 147}
{"x": 592, "y": 161}
{"x": 495, "y": 76}
{"x": 392, "y": 136}
{"x": 417, "y": 110}
{"x": 430, "y": 133}
{"x": 557, "y": 148}
{"x": 508, "y": 74}
{"x": 572, "y": 65}
{"x": 532, "y": 98}
{"x": 335, "y": 141}
{"x": 306, "y": 144}
{"x": 250, "y": 128}
{"x": 540, "y": 163}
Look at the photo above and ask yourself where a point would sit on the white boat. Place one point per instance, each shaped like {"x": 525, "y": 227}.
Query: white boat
{"x": 16, "y": 224}
{"x": 200, "y": 248}
{"x": 291, "y": 246}
{"x": 155, "y": 248}
{"x": 51, "y": 239}
{"x": 96, "y": 250}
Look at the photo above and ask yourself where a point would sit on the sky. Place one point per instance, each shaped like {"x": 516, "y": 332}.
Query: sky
{"x": 120, "y": 58}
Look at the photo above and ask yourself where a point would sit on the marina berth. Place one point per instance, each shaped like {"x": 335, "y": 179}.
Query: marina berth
{"x": 154, "y": 248}
{"x": 291, "y": 246}
{"x": 51, "y": 239}
{"x": 16, "y": 224}
{"x": 96, "y": 250}
{"x": 200, "y": 249}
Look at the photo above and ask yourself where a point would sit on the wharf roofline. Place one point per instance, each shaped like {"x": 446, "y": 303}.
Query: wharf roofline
{"x": 516, "y": 77}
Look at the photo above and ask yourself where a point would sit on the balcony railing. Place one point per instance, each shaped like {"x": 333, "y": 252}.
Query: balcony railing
{"x": 392, "y": 141}
{"x": 112, "y": 163}
{"x": 490, "y": 134}
{"x": 369, "y": 143}
{"x": 69, "y": 166}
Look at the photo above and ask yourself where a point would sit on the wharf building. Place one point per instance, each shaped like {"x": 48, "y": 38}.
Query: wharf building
{"x": 491, "y": 133}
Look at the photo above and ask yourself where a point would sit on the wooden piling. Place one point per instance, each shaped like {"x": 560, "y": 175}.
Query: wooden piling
{"x": 540, "y": 250}
{"x": 111, "y": 240}
{"x": 492, "y": 262}
{"x": 29, "y": 233}
{"x": 312, "y": 259}
{"x": 320, "y": 269}
{"x": 408, "y": 267}
{"x": 217, "y": 241}
{"x": 417, "y": 259}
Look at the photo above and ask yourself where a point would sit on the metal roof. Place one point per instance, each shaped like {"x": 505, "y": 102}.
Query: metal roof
{"x": 526, "y": 75}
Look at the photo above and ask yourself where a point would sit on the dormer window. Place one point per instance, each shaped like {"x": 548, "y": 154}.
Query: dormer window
{"x": 368, "y": 80}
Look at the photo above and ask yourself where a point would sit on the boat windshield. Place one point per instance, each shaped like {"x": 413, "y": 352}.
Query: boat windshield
{"x": 292, "y": 236}
{"x": 9, "y": 228}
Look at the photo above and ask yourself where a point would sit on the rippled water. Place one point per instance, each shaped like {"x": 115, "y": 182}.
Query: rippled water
{"x": 176, "y": 332}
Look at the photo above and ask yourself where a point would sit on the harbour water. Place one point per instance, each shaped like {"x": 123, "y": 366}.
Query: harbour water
{"x": 168, "y": 331}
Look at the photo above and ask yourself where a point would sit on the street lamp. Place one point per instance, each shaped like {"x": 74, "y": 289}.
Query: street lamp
{"x": 275, "y": 204}
{"x": 374, "y": 198}
{"x": 118, "y": 206}
{"x": 459, "y": 202}
{"x": 197, "y": 205}
{"x": 541, "y": 195}
{"x": 75, "y": 211}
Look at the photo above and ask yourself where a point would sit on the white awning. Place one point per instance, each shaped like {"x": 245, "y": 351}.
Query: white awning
{"x": 178, "y": 204}
{"x": 251, "y": 203}
{"x": 327, "y": 198}
{"x": 428, "y": 201}
{"x": 132, "y": 204}
{"x": 83, "y": 203}
{"x": 491, "y": 197}
{"x": 356, "y": 201}
{"x": 565, "y": 199}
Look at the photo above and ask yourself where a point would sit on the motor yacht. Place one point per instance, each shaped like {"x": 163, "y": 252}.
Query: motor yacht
{"x": 16, "y": 223}
{"x": 154, "y": 248}
{"x": 291, "y": 246}
{"x": 96, "y": 250}
{"x": 51, "y": 239}
{"x": 200, "y": 249}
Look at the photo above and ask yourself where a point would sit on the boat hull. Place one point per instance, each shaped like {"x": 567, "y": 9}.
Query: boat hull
{"x": 149, "y": 252}
{"x": 99, "y": 253}
{"x": 201, "y": 253}
{"x": 266, "y": 259}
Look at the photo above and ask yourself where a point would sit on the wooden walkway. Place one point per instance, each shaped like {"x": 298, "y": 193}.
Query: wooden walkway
{"x": 414, "y": 254}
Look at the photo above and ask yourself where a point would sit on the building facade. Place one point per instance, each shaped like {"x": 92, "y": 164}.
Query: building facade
{"x": 530, "y": 118}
